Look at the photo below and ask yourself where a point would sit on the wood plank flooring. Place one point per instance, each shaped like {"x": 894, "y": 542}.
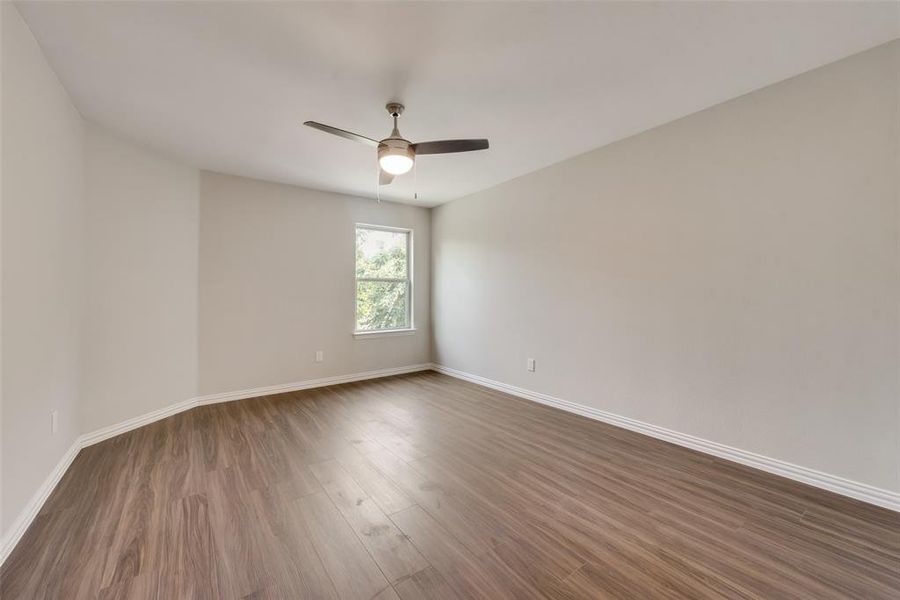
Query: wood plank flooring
{"x": 423, "y": 486}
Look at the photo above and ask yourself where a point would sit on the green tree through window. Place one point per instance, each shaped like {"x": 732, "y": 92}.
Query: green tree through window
{"x": 383, "y": 285}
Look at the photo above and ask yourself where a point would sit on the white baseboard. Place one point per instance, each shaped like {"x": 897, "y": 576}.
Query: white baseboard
{"x": 104, "y": 433}
{"x": 308, "y": 384}
{"x": 832, "y": 483}
{"x": 23, "y": 521}
{"x": 113, "y": 430}
{"x": 853, "y": 489}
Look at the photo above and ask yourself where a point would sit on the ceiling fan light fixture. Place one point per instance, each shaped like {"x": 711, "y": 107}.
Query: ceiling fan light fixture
{"x": 396, "y": 164}
{"x": 396, "y": 160}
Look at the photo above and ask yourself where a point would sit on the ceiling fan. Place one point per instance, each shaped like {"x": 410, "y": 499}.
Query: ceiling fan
{"x": 397, "y": 155}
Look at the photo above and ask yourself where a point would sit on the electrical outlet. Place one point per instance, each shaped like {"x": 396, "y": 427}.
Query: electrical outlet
{"x": 530, "y": 364}
{"x": 320, "y": 355}
{"x": 54, "y": 421}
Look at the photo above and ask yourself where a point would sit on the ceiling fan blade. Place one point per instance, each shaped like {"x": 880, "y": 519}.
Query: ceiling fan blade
{"x": 384, "y": 178}
{"x": 448, "y": 146}
{"x": 344, "y": 134}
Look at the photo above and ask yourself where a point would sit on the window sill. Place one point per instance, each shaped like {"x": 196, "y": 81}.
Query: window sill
{"x": 361, "y": 335}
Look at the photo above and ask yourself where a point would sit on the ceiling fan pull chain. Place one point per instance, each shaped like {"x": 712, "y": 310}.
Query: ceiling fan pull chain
{"x": 377, "y": 182}
{"x": 415, "y": 181}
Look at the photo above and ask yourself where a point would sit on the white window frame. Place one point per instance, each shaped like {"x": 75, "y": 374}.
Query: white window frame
{"x": 410, "y": 287}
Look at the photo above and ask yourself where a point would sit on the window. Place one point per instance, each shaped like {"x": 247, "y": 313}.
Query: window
{"x": 383, "y": 278}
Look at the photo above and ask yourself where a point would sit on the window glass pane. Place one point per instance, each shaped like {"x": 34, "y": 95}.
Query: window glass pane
{"x": 381, "y": 305}
{"x": 380, "y": 254}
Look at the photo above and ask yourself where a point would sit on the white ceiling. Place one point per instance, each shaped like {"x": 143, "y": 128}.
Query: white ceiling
{"x": 226, "y": 86}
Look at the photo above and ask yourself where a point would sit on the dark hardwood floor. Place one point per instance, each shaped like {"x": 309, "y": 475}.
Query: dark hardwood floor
{"x": 423, "y": 486}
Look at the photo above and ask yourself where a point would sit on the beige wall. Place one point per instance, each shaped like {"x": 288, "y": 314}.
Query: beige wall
{"x": 732, "y": 275}
{"x": 277, "y": 284}
{"x": 42, "y": 233}
{"x": 140, "y": 343}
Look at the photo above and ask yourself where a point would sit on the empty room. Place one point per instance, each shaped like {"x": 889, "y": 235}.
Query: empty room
{"x": 449, "y": 300}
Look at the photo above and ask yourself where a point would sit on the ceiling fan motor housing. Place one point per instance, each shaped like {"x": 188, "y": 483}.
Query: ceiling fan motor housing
{"x": 395, "y": 146}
